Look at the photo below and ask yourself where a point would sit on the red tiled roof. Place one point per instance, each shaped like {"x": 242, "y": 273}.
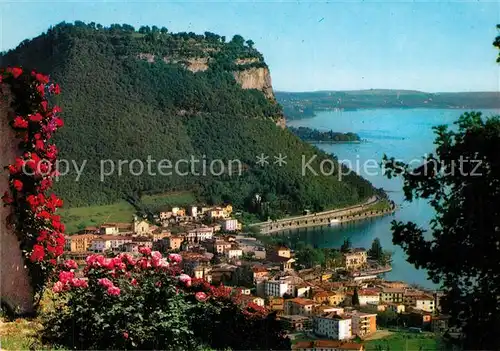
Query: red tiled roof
{"x": 327, "y": 344}
{"x": 302, "y": 301}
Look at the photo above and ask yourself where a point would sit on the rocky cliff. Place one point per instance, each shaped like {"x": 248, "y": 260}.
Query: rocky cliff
{"x": 249, "y": 77}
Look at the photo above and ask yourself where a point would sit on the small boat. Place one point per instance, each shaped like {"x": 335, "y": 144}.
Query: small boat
{"x": 333, "y": 222}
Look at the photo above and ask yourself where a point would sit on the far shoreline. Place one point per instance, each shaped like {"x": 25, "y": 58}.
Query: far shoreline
{"x": 387, "y": 108}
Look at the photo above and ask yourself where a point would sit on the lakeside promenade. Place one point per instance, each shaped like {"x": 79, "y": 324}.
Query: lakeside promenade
{"x": 346, "y": 214}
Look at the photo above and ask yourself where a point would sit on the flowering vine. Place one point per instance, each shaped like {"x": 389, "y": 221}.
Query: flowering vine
{"x": 33, "y": 219}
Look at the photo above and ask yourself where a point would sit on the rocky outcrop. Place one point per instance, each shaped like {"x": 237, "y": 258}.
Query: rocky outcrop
{"x": 146, "y": 57}
{"x": 256, "y": 78}
{"x": 15, "y": 286}
{"x": 281, "y": 122}
{"x": 250, "y": 78}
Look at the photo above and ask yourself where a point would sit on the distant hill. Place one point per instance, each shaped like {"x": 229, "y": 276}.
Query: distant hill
{"x": 303, "y": 104}
{"x": 132, "y": 94}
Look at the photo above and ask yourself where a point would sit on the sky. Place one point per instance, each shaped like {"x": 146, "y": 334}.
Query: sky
{"x": 432, "y": 46}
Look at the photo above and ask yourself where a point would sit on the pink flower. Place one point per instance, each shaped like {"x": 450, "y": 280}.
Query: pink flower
{"x": 158, "y": 284}
{"x": 127, "y": 258}
{"x": 201, "y": 296}
{"x": 105, "y": 282}
{"x": 79, "y": 283}
{"x": 70, "y": 264}
{"x": 176, "y": 258}
{"x": 95, "y": 260}
{"x": 163, "y": 263}
{"x": 58, "y": 287}
{"x": 133, "y": 282}
{"x": 65, "y": 277}
{"x": 125, "y": 335}
{"x": 185, "y": 279}
{"x": 114, "y": 291}
{"x": 145, "y": 250}
{"x": 144, "y": 263}
{"x": 156, "y": 255}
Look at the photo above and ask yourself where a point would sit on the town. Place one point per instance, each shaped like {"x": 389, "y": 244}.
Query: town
{"x": 334, "y": 308}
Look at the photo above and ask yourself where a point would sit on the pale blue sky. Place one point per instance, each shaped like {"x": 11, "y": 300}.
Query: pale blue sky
{"x": 311, "y": 45}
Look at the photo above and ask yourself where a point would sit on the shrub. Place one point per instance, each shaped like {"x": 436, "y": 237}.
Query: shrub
{"x": 146, "y": 303}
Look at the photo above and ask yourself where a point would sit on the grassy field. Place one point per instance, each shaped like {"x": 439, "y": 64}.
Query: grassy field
{"x": 79, "y": 217}
{"x": 406, "y": 342}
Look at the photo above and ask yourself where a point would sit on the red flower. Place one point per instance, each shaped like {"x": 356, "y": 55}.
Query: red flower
{"x": 32, "y": 200}
{"x": 145, "y": 250}
{"x": 16, "y": 71}
{"x": 65, "y": 277}
{"x": 36, "y": 117}
{"x": 18, "y": 185}
{"x": 55, "y": 89}
{"x": 7, "y": 199}
{"x": 41, "y": 89}
{"x": 125, "y": 335}
{"x": 20, "y": 122}
{"x": 42, "y": 78}
{"x": 37, "y": 254}
{"x": 113, "y": 291}
{"x": 39, "y": 145}
{"x": 201, "y": 296}
{"x": 44, "y": 104}
{"x": 59, "y": 122}
{"x": 43, "y": 214}
{"x": 43, "y": 235}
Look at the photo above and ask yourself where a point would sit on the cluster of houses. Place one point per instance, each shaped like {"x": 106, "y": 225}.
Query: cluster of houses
{"x": 129, "y": 237}
{"x": 312, "y": 300}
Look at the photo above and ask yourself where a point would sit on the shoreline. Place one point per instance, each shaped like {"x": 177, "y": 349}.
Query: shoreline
{"x": 341, "y": 215}
{"x": 297, "y": 118}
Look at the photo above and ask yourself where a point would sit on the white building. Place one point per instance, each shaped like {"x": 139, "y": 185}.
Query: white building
{"x": 109, "y": 242}
{"x": 368, "y": 297}
{"x": 109, "y": 229}
{"x": 425, "y": 303}
{"x": 233, "y": 252}
{"x": 230, "y": 225}
{"x": 275, "y": 288}
{"x": 200, "y": 234}
{"x": 333, "y": 326}
{"x": 193, "y": 211}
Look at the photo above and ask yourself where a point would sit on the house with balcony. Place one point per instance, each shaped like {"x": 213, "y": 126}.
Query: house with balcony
{"x": 79, "y": 242}
{"x": 333, "y": 326}
{"x": 362, "y": 323}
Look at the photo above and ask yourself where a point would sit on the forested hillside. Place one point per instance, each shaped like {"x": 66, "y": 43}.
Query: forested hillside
{"x": 128, "y": 94}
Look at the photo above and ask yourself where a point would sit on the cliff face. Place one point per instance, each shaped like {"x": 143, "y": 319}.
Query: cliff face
{"x": 250, "y": 78}
{"x": 256, "y": 78}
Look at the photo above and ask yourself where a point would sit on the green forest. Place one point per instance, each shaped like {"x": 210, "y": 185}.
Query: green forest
{"x": 314, "y": 135}
{"x": 119, "y": 107}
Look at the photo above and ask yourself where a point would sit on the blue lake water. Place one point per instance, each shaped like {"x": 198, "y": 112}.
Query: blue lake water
{"x": 405, "y": 134}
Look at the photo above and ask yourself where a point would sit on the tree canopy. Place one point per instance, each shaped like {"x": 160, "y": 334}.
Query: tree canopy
{"x": 461, "y": 182}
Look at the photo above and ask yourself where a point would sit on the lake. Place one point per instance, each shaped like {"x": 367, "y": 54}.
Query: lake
{"x": 405, "y": 134}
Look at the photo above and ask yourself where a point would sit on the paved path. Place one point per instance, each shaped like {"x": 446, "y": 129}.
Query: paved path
{"x": 345, "y": 214}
